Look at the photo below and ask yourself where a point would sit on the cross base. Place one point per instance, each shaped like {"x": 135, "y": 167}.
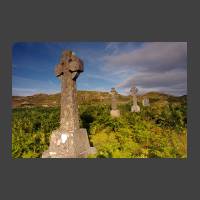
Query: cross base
{"x": 115, "y": 113}
{"x": 135, "y": 108}
{"x": 69, "y": 145}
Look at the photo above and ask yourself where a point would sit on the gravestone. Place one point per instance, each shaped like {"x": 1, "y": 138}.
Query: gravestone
{"x": 114, "y": 112}
{"x": 134, "y": 107}
{"x": 145, "y": 102}
{"x": 69, "y": 141}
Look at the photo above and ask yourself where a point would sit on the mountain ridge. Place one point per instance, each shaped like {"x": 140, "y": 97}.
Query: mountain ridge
{"x": 90, "y": 97}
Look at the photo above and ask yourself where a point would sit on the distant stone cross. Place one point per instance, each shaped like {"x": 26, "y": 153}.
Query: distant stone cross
{"x": 114, "y": 112}
{"x": 68, "y": 71}
{"x": 145, "y": 102}
{"x": 114, "y": 103}
{"x": 133, "y": 91}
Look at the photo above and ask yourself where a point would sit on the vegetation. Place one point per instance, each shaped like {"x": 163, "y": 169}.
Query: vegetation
{"x": 158, "y": 131}
{"x": 31, "y": 128}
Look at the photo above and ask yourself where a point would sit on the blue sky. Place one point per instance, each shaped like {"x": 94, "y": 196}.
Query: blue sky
{"x": 153, "y": 66}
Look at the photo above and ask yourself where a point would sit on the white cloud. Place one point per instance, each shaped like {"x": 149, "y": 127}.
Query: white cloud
{"x": 155, "y": 56}
{"x": 156, "y": 66}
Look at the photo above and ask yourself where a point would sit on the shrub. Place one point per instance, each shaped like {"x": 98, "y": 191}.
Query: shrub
{"x": 155, "y": 132}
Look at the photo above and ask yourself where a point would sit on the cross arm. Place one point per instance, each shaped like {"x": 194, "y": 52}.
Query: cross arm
{"x": 59, "y": 70}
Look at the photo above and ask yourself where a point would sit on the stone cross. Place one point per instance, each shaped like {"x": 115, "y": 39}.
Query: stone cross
{"x": 69, "y": 141}
{"x": 114, "y": 112}
{"x": 133, "y": 91}
{"x": 114, "y": 103}
{"x": 68, "y": 71}
{"x": 145, "y": 102}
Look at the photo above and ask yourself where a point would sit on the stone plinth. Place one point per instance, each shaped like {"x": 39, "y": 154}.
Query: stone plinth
{"x": 135, "y": 108}
{"x": 69, "y": 145}
{"x": 83, "y": 145}
{"x": 115, "y": 113}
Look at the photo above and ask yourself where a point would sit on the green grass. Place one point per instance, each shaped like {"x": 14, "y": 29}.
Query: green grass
{"x": 155, "y": 132}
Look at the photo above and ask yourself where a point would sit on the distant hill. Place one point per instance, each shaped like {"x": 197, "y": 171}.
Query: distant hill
{"x": 45, "y": 100}
{"x": 91, "y": 97}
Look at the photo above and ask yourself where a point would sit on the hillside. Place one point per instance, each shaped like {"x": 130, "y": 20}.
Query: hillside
{"x": 158, "y": 131}
{"x": 91, "y": 97}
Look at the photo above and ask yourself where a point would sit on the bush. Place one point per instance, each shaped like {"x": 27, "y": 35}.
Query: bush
{"x": 31, "y": 128}
{"x": 155, "y": 132}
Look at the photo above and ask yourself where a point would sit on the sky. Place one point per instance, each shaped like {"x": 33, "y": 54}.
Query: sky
{"x": 152, "y": 66}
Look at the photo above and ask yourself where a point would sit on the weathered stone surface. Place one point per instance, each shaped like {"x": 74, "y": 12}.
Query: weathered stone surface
{"x": 113, "y": 103}
{"x": 114, "y": 112}
{"x": 69, "y": 141}
{"x": 83, "y": 147}
{"x": 69, "y": 145}
{"x": 68, "y": 70}
{"x": 61, "y": 145}
{"x": 133, "y": 91}
{"x": 135, "y": 108}
{"x": 145, "y": 102}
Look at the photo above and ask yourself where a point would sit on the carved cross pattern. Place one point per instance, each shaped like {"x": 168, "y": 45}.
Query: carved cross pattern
{"x": 68, "y": 70}
{"x": 133, "y": 90}
{"x": 113, "y": 92}
{"x": 71, "y": 63}
{"x": 114, "y": 103}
